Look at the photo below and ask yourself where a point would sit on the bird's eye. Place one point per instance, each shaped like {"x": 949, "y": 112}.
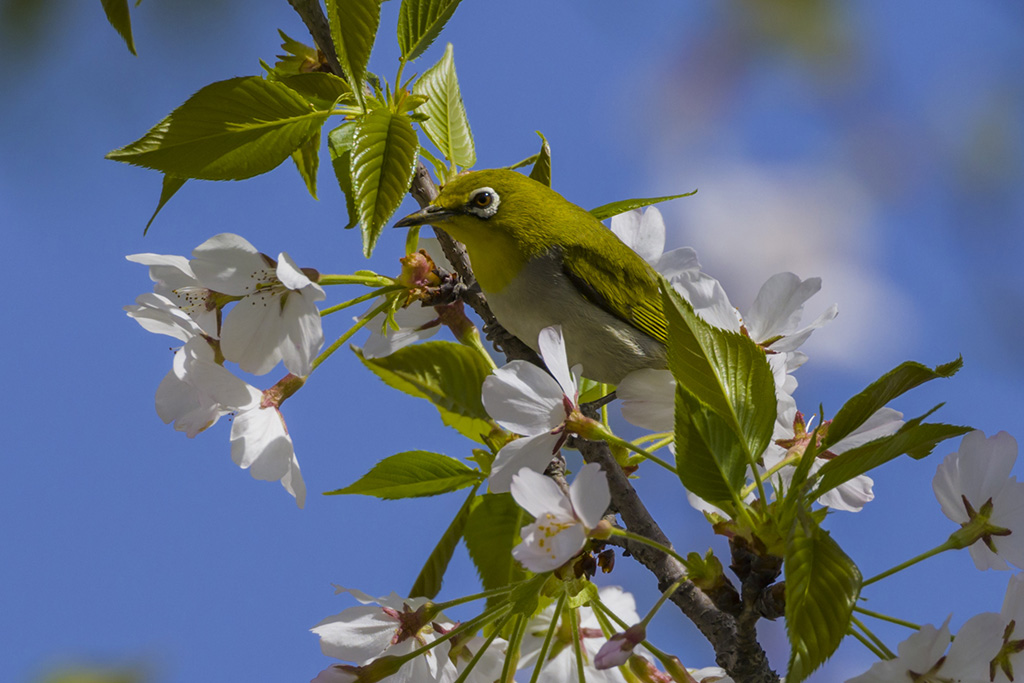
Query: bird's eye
{"x": 483, "y": 202}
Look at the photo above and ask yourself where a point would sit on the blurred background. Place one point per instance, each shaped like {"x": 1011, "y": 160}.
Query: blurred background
{"x": 877, "y": 145}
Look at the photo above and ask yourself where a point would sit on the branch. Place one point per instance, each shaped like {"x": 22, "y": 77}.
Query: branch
{"x": 316, "y": 22}
{"x": 736, "y": 647}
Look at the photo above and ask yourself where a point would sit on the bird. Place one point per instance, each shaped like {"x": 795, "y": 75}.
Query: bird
{"x": 541, "y": 261}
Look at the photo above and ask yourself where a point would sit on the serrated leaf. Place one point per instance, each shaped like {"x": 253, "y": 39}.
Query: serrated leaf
{"x": 322, "y": 90}
{"x": 615, "y": 208}
{"x": 119, "y": 17}
{"x": 897, "y": 381}
{"x": 541, "y": 171}
{"x": 822, "y": 585}
{"x": 447, "y": 374}
{"x": 709, "y": 458}
{"x": 307, "y": 159}
{"x": 339, "y": 143}
{"x": 914, "y": 438}
{"x": 428, "y": 583}
{"x": 384, "y": 151}
{"x": 170, "y": 186}
{"x": 447, "y": 127}
{"x": 490, "y": 535}
{"x": 229, "y": 130}
{"x": 420, "y": 23}
{"x": 353, "y": 29}
{"x": 580, "y": 592}
{"x": 412, "y": 474}
{"x": 723, "y": 370}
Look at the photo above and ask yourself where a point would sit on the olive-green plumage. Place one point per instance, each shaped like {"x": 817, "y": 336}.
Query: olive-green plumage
{"x": 542, "y": 260}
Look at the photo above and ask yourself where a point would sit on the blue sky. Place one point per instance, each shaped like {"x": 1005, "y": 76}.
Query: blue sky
{"x": 878, "y": 146}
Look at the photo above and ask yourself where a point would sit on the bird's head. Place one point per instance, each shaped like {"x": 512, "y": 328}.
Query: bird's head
{"x": 504, "y": 218}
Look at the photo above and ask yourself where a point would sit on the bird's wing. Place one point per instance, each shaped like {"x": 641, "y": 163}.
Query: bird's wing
{"x": 623, "y": 284}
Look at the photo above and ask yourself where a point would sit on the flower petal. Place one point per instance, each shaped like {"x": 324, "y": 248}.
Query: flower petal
{"x": 643, "y": 232}
{"x": 589, "y": 495}
{"x": 552, "y": 350}
{"x": 648, "y": 399}
{"x": 229, "y": 264}
{"x": 533, "y": 452}
{"x": 539, "y": 495}
{"x": 523, "y": 398}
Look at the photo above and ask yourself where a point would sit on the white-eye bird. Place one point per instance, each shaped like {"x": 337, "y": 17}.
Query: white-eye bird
{"x": 541, "y": 261}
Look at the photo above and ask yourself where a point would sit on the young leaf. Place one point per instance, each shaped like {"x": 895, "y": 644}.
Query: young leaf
{"x": 353, "y": 29}
{"x": 447, "y": 127}
{"x": 321, "y": 90}
{"x": 420, "y": 23}
{"x": 615, "y": 208}
{"x": 120, "y": 19}
{"x": 229, "y": 130}
{"x": 300, "y": 58}
{"x": 447, "y": 374}
{"x": 307, "y": 159}
{"x": 383, "y": 161}
{"x": 428, "y": 583}
{"x": 339, "y": 143}
{"x": 491, "y": 533}
{"x": 897, "y": 381}
{"x": 541, "y": 171}
{"x": 915, "y": 438}
{"x": 709, "y": 458}
{"x": 413, "y": 474}
{"x": 725, "y": 371}
{"x": 822, "y": 585}
{"x": 170, "y": 186}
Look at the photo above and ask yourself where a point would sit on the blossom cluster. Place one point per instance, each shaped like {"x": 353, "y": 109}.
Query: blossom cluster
{"x": 273, "y": 318}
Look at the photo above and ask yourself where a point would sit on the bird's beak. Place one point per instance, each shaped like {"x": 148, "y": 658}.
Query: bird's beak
{"x": 428, "y": 214}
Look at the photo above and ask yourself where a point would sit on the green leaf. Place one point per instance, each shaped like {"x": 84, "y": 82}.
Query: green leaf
{"x": 353, "y": 29}
{"x": 428, "y": 583}
{"x": 726, "y": 372}
{"x": 299, "y": 58}
{"x": 915, "y": 438}
{"x": 120, "y": 19}
{"x": 229, "y": 130}
{"x": 447, "y": 374}
{"x": 383, "y": 161}
{"x": 447, "y": 127}
{"x": 822, "y": 585}
{"x": 339, "y": 143}
{"x": 615, "y": 208}
{"x": 307, "y": 159}
{"x": 897, "y": 381}
{"x": 420, "y": 23}
{"x": 709, "y": 458}
{"x": 170, "y": 186}
{"x": 322, "y": 90}
{"x": 541, "y": 171}
{"x": 491, "y": 533}
{"x": 412, "y": 474}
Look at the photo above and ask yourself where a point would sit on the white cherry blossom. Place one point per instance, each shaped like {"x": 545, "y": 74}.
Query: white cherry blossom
{"x": 388, "y": 626}
{"x": 561, "y": 523}
{"x": 275, "y": 318}
{"x": 923, "y": 657}
{"x": 173, "y": 279}
{"x": 976, "y": 480}
{"x": 561, "y": 667}
{"x": 526, "y": 400}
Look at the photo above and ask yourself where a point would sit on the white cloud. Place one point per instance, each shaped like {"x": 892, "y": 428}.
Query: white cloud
{"x": 750, "y": 221}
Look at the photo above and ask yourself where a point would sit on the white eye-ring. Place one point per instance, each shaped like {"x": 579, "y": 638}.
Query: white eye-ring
{"x": 483, "y": 202}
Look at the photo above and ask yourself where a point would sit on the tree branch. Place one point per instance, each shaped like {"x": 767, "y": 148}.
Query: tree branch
{"x": 316, "y": 22}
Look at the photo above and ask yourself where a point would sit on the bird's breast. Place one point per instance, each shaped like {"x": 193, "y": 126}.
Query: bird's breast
{"x": 541, "y": 295}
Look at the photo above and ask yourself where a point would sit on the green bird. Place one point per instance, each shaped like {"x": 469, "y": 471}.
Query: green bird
{"x": 541, "y": 261}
